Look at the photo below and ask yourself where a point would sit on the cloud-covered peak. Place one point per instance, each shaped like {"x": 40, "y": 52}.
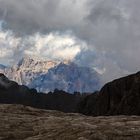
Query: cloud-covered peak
{"x": 52, "y": 46}
{"x": 105, "y": 34}
{"x": 55, "y": 46}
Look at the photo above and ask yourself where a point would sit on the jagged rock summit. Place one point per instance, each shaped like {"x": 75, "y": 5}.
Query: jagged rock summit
{"x": 46, "y": 76}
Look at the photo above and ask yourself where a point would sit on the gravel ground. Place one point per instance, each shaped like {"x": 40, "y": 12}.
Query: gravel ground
{"x": 18, "y": 122}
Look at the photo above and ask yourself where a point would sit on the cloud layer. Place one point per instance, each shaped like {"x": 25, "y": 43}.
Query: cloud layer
{"x": 52, "y": 46}
{"x": 43, "y": 15}
{"x": 105, "y": 34}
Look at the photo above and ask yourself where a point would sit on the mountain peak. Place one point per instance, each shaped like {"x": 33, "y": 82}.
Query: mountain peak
{"x": 25, "y": 60}
{"x": 46, "y": 75}
{"x": 34, "y": 64}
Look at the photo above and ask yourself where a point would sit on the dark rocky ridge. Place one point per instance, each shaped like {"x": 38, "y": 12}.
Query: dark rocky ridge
{"x": 12, "y": 93}
{"x": 119, "y": 97}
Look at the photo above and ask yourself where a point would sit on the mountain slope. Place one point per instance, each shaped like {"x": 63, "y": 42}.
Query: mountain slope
{"x": 47, "y": 76}
{"x": 119, "y": 97}
{"x": 67, "y": 77}
{"x": 27, "y": 69}
{"x": 12, "y": 93}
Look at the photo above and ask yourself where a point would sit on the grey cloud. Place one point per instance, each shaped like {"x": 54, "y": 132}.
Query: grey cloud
{"x": 111, "y": 28}
{"x": 116, "y": 31}
{"x": 42, "y": 15}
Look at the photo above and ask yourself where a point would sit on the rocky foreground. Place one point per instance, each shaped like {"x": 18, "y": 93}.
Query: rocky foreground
{"x": 18, "y": 122}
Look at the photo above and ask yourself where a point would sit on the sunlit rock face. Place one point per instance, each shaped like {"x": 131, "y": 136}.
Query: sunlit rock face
{"x": 27, "y": 69}
{"x": 46, "y": 76}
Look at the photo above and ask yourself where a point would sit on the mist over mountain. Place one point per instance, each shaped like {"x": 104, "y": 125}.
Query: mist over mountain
{"x": 102, "y": 34}
{"x": 2, "y": 67}
{"x": 47, "y": 76}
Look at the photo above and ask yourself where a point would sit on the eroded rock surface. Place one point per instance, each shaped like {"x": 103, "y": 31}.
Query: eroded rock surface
{"x": 119, "y": 97}
{"x": 47, "y": 76}
{"x": 19, "y": 122}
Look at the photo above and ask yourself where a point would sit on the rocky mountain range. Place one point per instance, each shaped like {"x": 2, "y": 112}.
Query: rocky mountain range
{"x": 13, "y": 93}
{"x": 119, "y": 97}
{"x": 47, "y": 76}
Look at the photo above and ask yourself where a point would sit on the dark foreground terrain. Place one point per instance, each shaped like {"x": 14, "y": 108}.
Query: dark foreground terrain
{"x": 18, "y": 122}
{"x": 119, "y": 97}
{"x": 12, "y": 93}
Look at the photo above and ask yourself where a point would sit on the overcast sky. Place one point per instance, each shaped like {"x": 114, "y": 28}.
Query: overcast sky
{"x": 102, "y": 34}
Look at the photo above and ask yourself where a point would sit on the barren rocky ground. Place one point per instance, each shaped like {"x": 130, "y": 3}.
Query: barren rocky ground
{"x": 18, "y": 122}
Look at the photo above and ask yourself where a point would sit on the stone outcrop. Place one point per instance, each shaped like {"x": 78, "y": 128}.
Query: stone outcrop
{"x": 119, "y": 97}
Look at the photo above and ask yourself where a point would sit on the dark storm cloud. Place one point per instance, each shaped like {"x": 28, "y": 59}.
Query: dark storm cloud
{"x": 27, "y": 16}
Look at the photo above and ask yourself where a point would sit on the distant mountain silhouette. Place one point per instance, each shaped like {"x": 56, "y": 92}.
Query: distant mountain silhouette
{"x": 12, "y": 93}
{"x": 119, "y": 97}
